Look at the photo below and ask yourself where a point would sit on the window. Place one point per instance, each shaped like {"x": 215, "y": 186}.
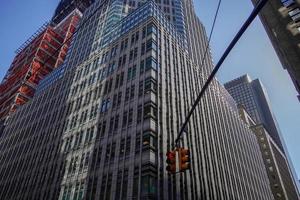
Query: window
{"x": 124, "y": 60}
{"x": 151, "y": 28}
{"x": 271, "y": 169}
{"x": 137, "y": 36}
{"x": 132, "y": 89}
{"x": 99, "y": 76}
{"x": 141, "y": 87}
{"x": 104, "y": 73}
{"x": 119, "y": 99}
{"x": 137, "y": 143}
{"x": 67, "y": 192}
{"x": 76, "y": 144}
{"x": 116, "y": 123}
{"x": 113, "y": 152}
{"x": 93, "y": 112}
{"x": 70, "y": 166}
{"x": 111, "y": 124}
{"x": 135, "y": 186}
{"x": 124, "y": 124}
{"x": 142, "y": 66}
{"x": 127, "y": 94}
{"x": 105, "y": 105}
{"x": 81, "y": 189}
{"x": 128, "y": 147}
{"x": 132, "y": 39}
{"x": 126, "y": 43}
{"x": 148, "y": 185}
{"x": 81, "y": 162}
{"x": 130, "y": 116}
{"x": 117, "y": 81}
{"x": 111, "y": 68}
{"x": 114, "y": 51}
{"x": 151, "y": 45}
{"x": 120, "y": 62}
{"x": 125, "y": 184}
{"x": 121, "y": 79}
{"x": 129, "y": 74}
{"x": 150, "y": 110}
{"x": 150, "y": 85}
{"x": 103, "y": 128}
{"x": 144, "y": 32}
{"x": 122, "y": 147}
{"x": 119, "y": 179}
{"x": 149, "y": 140}
{"x": 114, "y": 101}
{"x": 109, "y": 87}
{"x": 88, "y": 97}
{"x": 135, "y": 53}
{"x": 89, "y": 135}
{"x": 150, "y": 63}
{"x": 139, "y": 114}
{"x": 130, "y": 55}
{"x": 143, "y": 49}
{"x": 76, "y": 193}
{"x": 133, "y": 74}
{"x": 87, "y": 69}
{"x": 99, "y": 157}
{"x": 86, "y": 160}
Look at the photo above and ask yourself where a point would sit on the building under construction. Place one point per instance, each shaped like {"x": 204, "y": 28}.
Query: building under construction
{"x": 44, "y": 51}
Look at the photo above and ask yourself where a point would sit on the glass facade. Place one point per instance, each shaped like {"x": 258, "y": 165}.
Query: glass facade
{"x": 102, "y": 130}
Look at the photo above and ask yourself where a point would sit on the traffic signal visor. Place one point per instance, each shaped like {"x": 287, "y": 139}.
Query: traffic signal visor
{"x": 184, "y": 159}
{"x": 171, "y": 161}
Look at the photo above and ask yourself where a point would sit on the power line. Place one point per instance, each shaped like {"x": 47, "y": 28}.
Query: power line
{"x": 209, "y": 38}
{"x": 211, "y": 33}
{"x": 242, "y": 30}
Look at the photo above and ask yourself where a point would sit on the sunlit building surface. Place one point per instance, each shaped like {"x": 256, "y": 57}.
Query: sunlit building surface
{"x": 100, "y": 127}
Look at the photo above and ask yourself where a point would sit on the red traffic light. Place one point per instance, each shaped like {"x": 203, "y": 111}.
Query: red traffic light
{"x": 171, "y": 161}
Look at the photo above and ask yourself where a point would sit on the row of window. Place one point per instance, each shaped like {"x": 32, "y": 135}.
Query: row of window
{"x": 80, "y": 138}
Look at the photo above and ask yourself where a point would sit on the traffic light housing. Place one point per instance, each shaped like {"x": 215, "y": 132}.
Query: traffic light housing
{"x": 171, "y": 162}
{"x": 184, "y": 159}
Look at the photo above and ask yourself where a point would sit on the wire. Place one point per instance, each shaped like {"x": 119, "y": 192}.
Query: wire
{"x": 211, "y": 33}
{"x": 207, "y": 45}
{"x": 242, "y": 30}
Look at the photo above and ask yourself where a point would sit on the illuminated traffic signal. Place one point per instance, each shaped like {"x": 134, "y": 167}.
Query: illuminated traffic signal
{"x": 184, "y": 159}
{"x": 171, "y": 162}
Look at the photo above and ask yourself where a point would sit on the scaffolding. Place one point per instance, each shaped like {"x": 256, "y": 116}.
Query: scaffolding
{"x": 44, "y": 51}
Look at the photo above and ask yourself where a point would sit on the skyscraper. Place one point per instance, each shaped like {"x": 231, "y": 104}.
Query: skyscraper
{"x": 65, "y": 7}
{"x": 44, "y": 51}
{"x": 252, "y": 95}
{"x": 281, "y": 21}
{"x": 253, "y": 101}
{"x": 282, "y": 182}
{"x": 102, "y": 124}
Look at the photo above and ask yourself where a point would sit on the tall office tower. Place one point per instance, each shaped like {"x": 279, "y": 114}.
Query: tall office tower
{"x": 65, "y": 7}
{"x": 280, "y": 176}
{"x": 252, "y": 95}
{"x": 107, "y": 117}
{"x": 281, "y": 21}
{"x": 38, "y": 56}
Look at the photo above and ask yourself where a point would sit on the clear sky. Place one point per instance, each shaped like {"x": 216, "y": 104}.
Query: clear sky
{"x": 253, "y": 54}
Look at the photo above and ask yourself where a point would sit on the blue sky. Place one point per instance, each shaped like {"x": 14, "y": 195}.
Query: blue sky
{"x": 253, "y": 54}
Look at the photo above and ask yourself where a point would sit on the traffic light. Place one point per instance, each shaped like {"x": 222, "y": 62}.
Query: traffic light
{"x": 171, "y": 161}
{"x": 184, "y": 159}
